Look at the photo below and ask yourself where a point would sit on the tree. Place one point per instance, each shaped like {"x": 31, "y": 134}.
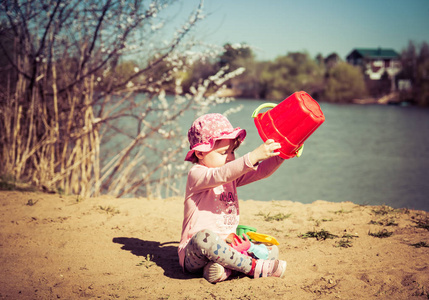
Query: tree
{"x": 241, "y": 56}
{"x": 236, "y": 55}
{"x": 422, "y": 82}
{"x": 344, "y": 83}
{"x": 293, "y": 72}
{"x": 87, "y": 73}
{"x": 331, "y": 60}
{"x": 415, "y": 67}
{"x": 197, "y": 72}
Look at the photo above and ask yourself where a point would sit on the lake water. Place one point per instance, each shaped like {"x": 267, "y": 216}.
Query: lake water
{"x": 367, "y": 154}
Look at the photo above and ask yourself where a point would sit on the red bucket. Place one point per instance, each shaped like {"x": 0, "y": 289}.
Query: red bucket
{"x": 290, "y": 122}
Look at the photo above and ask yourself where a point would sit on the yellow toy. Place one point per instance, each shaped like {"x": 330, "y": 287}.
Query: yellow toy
{"x": 263, "y": 238}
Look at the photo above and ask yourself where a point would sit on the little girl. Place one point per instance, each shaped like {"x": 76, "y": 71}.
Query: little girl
{"x": 211, "y": 203}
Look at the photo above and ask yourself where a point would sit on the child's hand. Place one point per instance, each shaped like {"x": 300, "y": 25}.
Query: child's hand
{"x": 264, "y": 151}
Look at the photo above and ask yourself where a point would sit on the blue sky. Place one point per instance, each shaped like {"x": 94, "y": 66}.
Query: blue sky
{"x": 276, "y": 27}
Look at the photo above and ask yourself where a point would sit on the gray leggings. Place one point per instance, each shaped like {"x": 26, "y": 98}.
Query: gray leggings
{"x": 206, "y": 246}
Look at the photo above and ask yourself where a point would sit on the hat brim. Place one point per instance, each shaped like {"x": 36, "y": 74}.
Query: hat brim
{"x": 207, "y": 147}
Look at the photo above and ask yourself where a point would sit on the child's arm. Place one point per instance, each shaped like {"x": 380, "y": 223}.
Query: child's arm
{"x": 263, "y": 170}
{"x": 270, "y": 162}
{"x": 201, "y": 177}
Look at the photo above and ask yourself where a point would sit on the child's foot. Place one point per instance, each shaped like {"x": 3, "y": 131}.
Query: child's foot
{"x": 215, "y": 272}
{"x": 270, "y": 268}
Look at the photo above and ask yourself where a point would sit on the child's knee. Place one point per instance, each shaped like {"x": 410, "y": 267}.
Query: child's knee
{"x": 205, "y": 238}
{"x": 273, "y": 252}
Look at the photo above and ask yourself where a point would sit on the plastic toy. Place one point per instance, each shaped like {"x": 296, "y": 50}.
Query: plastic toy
{"x": 263, "y": 238}
{"x": 239, "y": 244}
{"x": 244, "y": 246}
{"x": 259, "y": 250}
{"x": 289, "y": 123}
{"x": 244, "y": 229}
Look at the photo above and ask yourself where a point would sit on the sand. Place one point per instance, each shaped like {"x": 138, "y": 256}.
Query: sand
{"x": 64, "y": 247}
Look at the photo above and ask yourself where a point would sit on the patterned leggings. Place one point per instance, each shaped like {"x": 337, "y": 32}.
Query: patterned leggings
{"x": 206, "y": 246}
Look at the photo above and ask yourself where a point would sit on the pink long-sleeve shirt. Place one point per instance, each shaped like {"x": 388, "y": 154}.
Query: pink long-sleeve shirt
{"x": 211, "y": 196}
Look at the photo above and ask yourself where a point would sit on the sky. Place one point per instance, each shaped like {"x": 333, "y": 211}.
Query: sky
{"x": 276, "y": 27}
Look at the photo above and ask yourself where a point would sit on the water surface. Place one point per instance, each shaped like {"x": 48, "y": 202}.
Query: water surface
{"x": 367, "y": 154}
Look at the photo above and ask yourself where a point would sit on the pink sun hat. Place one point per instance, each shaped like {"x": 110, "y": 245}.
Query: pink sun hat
{"x": 209, "y": 128}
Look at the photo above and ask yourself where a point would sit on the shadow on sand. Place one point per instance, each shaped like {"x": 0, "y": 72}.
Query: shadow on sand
{"x": 164, "y": 255}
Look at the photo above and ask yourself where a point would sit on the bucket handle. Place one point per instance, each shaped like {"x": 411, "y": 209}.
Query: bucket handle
{"x": 262, "y": 106}
{"x": 299, "y": 151}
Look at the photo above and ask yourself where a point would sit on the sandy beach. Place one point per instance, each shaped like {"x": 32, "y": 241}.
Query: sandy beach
{"x": 65, "y": 247}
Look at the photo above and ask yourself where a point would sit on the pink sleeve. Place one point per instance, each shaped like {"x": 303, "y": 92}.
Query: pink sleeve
{"x": 263, "y": 170}
{"x": 201, "y": 177}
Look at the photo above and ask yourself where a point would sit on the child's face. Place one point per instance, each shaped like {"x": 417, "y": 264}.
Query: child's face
{"x": 222, "y": 152}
